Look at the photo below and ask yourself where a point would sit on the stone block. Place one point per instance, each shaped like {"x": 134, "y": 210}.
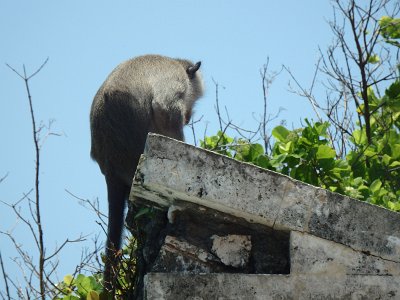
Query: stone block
{"x": 264, "y": 287}
{"x": 233, "y": 249}
{"x": 312, "y": 255}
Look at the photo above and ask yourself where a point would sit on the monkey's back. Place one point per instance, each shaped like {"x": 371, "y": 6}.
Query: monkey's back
{"x": 120, "y": 116}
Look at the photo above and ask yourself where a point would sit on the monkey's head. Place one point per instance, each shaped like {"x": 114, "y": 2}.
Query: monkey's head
{"x": 173, "y": 107}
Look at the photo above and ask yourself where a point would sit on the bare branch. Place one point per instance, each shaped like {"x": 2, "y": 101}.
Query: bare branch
{"x": 39, "y": 237}
{"x": 306, "y": 93}
{"x": 217, "y": 103}
{"x": 267, "y": 78}
{"x": 94, "y": 206}
{"x": 5, "y": 277}
{"x": 191, "y": 125}
{"x": 67, "y": 241}
{"x": 4, "y": 177}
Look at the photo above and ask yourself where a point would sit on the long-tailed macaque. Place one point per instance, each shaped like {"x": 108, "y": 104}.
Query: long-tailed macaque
{"x": 149, "y": 93}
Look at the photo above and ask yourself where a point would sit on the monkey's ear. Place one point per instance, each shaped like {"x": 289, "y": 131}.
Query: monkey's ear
{"x": 192, "y": 70}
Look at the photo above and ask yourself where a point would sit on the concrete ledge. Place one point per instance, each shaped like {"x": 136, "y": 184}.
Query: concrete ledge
{"x": 317, "y": 256}
{"x": 172, "y": 170}
{"x": 177, "y": 286}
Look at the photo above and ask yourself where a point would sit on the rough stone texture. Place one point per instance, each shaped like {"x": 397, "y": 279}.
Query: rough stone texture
{"x": 262, "y": 196}
{"x": 201, "y": 177}
{"x": 233, "y": 249}
{"x": 313, "y": 255}
{"x": 340, "y": 248}
{"x": 175, "y": 286}
{"x": 202, "y": 240}
{"x": 181, "y": 256}
{"x": 361, "y": 226}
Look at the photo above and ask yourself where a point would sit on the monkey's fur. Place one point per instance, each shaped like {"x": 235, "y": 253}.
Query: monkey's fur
{"x": 149, "y": 93}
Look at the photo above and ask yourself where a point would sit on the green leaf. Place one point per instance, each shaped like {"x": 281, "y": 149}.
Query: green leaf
{"x": 83, "y": 285}
{"x": 248, "y": 152}
{"x": 305, "y": 141}
{"x": 263, "y": 161}
{"x": 374, "y": 59}
{"x": 86, "y": 284}
{"x": 375, "y": 185}
{"x": 324, "y": 152}
{"x": 327, "y": 164}
{"x": 142, "y": 211}
{"x": 280, "y": 133}
{"x": 306, "y": 173}
{"x": 224, "y": 139}
{"x": 370, "y": 152}
{"x": 386, "y": 159}
{"x": 393, "y": 91}
{"x": 93, "y": 295}
{"x": 373, "y": 100}
{"x": 71, "y": 298}
{"x": 68, "y": 279}
{"x": 394, "y": 164}
{"x": 277, "y": 160}
{"x": 394, "y": 205}
{"x": 255, "y": 151}
{"x": 322, "y": 128}
{"x": 242, "y": 150}
{"x": 285, "y": 147}
{"x": 359, "y": 136}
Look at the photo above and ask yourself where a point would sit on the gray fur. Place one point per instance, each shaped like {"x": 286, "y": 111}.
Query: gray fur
{"x": 146, "y": 94}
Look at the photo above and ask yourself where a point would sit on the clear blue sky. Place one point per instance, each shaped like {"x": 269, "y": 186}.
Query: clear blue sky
{"x": 85, "y": 40}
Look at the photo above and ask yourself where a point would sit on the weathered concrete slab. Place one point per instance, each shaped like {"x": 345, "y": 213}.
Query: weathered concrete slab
{"x": 172, "y": 170}
{"x": 361, "y": 226}
{"x": 176, "y": 286}
{"x": 202, "y": 177}
{"x": 312, "y": 255}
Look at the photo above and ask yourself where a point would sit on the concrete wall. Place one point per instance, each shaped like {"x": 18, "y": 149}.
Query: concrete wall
{"x": 340, "y": 248}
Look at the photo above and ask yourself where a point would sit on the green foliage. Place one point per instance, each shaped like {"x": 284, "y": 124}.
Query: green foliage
{"x": 378, "y": 162}
{"x": 80, "y": 288}
{"x": 217, "y": 143}
{"x": 309, "y": 157}
{"x": 369, "y": 172}
{"x": 371, "y": 169}
{"x": 390, "y": 30}
{"x": 84, "y": 287}
{"x": 127, "y": 266}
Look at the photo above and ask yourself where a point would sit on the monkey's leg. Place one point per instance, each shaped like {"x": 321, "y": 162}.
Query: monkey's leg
{"x": 117, "y": 194}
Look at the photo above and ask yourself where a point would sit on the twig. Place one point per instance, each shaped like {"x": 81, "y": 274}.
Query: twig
{"x": 217, "y": 103}
{"x": 266, "y": 81}
{"x": 93, "y": 206}
{"x": 305, "y": 93}
{"x": 5, "y": 277}
{"x": 191, "y": 125}
{"x": 4, "y": 177}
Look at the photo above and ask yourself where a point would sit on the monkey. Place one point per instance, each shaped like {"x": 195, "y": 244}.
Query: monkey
{"x": 149, "y": 93}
